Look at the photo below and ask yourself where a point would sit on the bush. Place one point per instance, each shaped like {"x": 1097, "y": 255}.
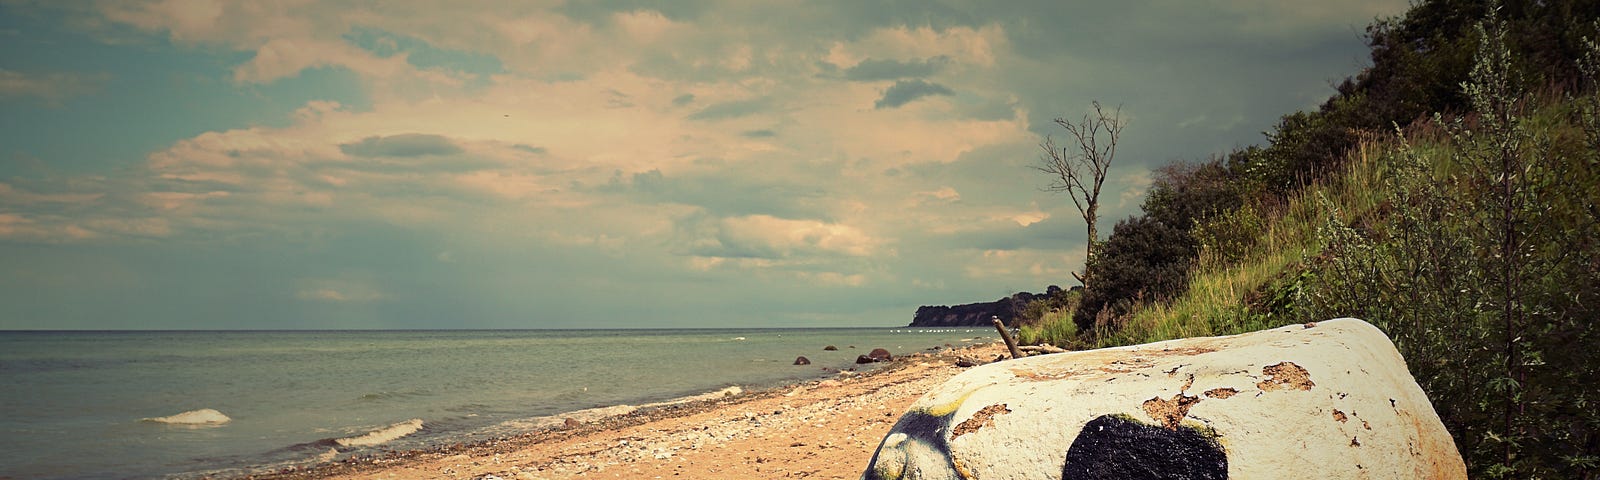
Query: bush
{"x": 1143, "y": 259}
{"x": 1486, "y": 273}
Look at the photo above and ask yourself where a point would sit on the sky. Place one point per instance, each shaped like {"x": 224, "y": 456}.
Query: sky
{"x": 201, "y": 164}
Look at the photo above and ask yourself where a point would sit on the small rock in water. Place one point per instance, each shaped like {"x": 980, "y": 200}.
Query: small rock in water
{"x": 880, "y": 355}
{"x": 830, "y": 348}
{"x": 863, "y": 359}
{"x": 802, "y": 361}
{"x": 204, "y": 416}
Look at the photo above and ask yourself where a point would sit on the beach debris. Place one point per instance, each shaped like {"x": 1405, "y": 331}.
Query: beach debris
{"x": 802, "y": 360}
{"x": 204, "y": 416}
{"x": 830, "y": 348}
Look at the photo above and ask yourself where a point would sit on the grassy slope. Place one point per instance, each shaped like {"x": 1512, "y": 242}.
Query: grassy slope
{"x": 1229, "y": 296}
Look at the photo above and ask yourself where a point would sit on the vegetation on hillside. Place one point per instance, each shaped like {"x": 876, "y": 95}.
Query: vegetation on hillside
{"x": 1449, "y": 194}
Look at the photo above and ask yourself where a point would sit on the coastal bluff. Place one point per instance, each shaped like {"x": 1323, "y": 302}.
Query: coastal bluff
{"x": 1321, "y": 400}
{"x": 977, "y": 314}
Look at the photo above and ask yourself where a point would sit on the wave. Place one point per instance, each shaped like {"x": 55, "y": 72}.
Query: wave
{"x": 552, "y": 421}
{"x": 382, "y": 435}
{"x": 204, "y": 416}
{"x": 391, "y": 395}
{"x": 590, "y": 415}
{"x": 726, "y": 392}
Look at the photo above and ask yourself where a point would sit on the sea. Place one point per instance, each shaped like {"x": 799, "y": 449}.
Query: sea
{"x": 136, "y": 404}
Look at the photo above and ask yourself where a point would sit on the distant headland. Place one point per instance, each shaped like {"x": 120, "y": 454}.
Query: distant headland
{"x": 978, "y": 314}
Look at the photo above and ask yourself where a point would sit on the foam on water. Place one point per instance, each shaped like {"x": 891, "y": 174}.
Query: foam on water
{"x": 204, "y": 416}
{"x": 382, "y": 435}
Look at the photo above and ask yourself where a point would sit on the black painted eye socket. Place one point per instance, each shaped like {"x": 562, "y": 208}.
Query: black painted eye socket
{"x": 1113, "y": 447}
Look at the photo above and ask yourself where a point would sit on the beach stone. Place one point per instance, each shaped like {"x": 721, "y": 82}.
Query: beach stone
{"x": 572, "y": 423}
{"x": 204, "y": 416}
{"x": 1326, "y": 400}
{"x": 879, "y": 355}
{"x": 860, "y": 359}
{"x": 802, "y": 360}
{"x": 830, "y": 348}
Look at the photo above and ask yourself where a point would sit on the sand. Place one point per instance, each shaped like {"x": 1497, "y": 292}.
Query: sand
{"x": 822, "y": 429}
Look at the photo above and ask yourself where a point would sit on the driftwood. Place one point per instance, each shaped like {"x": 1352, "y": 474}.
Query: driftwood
{"x": 1006, "y": 334}
{"x": 1041, "y": 349}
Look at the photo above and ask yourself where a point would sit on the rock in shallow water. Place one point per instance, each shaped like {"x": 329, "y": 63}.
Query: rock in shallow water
{"x": 802, "y": 361}
{"x": 1266, "y": 404}
{"x": 204, "y": 416}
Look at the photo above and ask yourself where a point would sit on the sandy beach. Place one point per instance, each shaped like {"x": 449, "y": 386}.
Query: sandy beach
{"x": 825, "y": 429}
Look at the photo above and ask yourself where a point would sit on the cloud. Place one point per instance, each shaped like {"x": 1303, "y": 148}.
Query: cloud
{"x": 53, "y": 88}
{"x": 338, "y": 290}
{"x": 403, "y": 145}
{"x": 905, "y": 91}
{"x": 733, "y": 109}
{"x": 874, "y": 69}
{"x": 773, "y": 238}
{"x": 531, "y": 149}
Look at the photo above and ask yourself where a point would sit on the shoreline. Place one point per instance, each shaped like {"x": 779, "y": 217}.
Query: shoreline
{"x": 825, "y": 428}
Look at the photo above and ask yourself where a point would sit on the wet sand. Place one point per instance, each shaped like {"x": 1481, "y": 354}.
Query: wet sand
{"x": 824, "y": 429}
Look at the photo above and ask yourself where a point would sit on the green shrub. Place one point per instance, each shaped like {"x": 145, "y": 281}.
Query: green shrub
{"x": 1143, "y": 258}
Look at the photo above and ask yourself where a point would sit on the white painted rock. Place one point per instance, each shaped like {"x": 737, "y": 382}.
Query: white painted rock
{"x": 1325, "y": 400}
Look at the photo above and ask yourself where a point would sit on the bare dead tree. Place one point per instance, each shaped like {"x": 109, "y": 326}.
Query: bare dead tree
{"x": 1080, "y": 170}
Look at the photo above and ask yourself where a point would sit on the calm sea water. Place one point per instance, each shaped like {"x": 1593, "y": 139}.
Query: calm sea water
{"x": 73, "y": 404}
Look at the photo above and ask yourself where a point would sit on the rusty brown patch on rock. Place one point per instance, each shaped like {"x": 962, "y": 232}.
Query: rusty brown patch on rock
{"x": 1170, "y": 412}
{"x": 1031, "y": 375}
{"x": 1220, "y": 393}
{"x": 982, "y": 418}
{"x": 1187, "y": 351}
{"x": 1285, "y": 375}
{"x": 962, "y": 469}
{"x": 1340, "y": 416}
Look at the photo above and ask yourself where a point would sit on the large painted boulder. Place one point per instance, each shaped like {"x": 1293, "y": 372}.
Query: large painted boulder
{"x": 1326, "y": 400}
